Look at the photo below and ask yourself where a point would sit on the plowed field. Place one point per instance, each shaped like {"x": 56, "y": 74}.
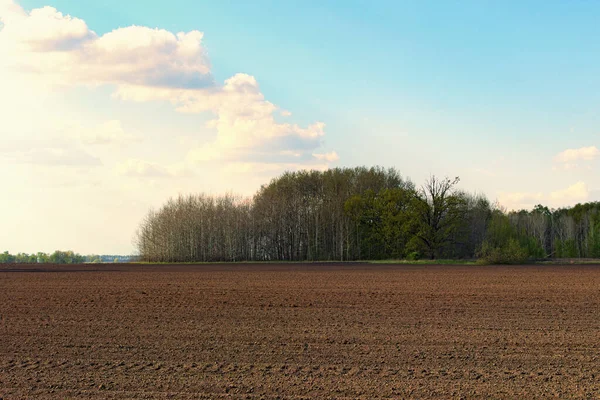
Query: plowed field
{"x": 299, "y": 331}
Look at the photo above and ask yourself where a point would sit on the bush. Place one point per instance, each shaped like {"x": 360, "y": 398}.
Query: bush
{"x": 510, "y": 253}
{"x": 413, "y": 256}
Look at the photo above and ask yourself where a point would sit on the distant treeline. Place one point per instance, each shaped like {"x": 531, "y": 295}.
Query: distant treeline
{"x": 361, "y": 214}
{"x": 60, "y": 257}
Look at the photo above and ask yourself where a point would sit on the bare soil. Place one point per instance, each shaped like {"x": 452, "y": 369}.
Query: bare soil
{"x": 299, "y": 331}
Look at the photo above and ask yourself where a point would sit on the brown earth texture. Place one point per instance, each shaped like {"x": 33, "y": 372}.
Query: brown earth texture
{"x": 309, "y": 331}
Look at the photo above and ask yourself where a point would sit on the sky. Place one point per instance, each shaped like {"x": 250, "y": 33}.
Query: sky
{"x": 108, "y": 108}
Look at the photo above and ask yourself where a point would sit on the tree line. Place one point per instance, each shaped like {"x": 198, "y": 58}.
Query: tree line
{"x": 361, "y": 214}
{"x": 60, "y": 257}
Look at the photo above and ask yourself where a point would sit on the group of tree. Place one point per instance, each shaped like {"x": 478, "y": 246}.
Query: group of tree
{"x": 544, "y": 233}
{"x": 107, "y": 258}
{"x": 60, "y": 257}
{"x": 359, "y": 214}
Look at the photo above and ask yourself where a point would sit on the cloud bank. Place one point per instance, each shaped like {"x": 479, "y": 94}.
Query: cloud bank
{"x": 576, "y": 193}
{"x": 64, "y": 51}
{"x": 582, "y": 154}
{"x": 570, "y": 158}
{"x": 142, "y": 64}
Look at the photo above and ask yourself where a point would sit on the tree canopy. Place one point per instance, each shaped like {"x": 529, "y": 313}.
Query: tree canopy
{"x": 357, "y": 214}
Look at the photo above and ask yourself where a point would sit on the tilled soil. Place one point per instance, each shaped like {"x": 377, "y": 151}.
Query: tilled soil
{"x": 299, "y": 331}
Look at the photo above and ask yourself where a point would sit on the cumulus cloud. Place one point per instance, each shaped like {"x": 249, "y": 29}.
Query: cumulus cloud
{"x": 43, "y": 30}
{"x": 144, "y": 64}
{"x": 244, "y": 120}
{"x": 519, "y": 200}
{"x": 581, "y": 154}
{"x": 575, "y": 193}
{"x": 62, "y": 50}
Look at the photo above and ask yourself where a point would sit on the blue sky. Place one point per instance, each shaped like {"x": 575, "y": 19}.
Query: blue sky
{"x": 503, "y": 94}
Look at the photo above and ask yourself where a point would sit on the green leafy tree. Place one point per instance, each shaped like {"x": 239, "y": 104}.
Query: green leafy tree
{"x": 438, "y": 212}
{"x": 65, "y": 257}
{"x": 6, "y": 258}
{"x": 503, "y": 243}
{"x": 380, "y": 222}
{"x": 42, "y": 257}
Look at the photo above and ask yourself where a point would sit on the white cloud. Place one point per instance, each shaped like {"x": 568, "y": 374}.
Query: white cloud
{"x": 144, "y": 64}
{"x": 575, "y": 193}
{"x": 519, "y": 200}
{"x": 43, "y": 30}
{"x": 54, "y": 145}
{"x": 581, "y": 154}
{"x": 8, "y": 8}
{"x": 60, "y": 49}
{"x": 245, "y": 122}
